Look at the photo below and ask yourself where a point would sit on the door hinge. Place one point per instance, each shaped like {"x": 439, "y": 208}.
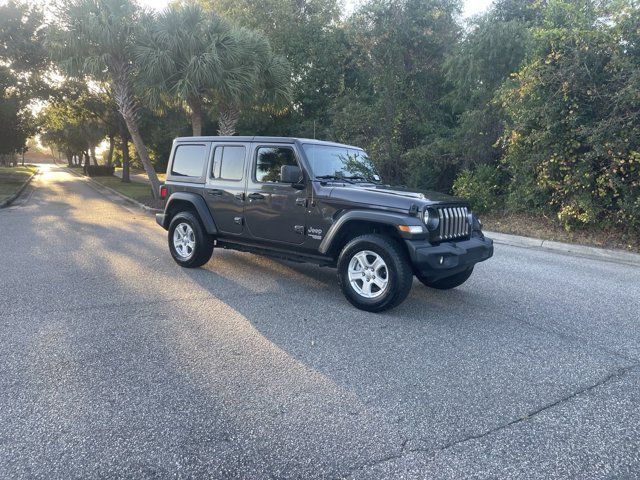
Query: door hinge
{"x": 299, "y": 229}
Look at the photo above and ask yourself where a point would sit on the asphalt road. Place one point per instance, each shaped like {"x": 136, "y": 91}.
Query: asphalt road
{"x": 115, "y": 362}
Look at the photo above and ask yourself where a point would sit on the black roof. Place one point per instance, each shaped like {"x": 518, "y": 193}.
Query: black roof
{"x": 263, "y": 139}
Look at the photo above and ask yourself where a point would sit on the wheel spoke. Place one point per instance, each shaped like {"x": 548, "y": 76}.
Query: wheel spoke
{"x": 355, "y": 275}
{"x": 362, "y": 259}
{"x": 378, "y": 263}
{"x": 366, "y": 288}
{"x": 380, "y": 282}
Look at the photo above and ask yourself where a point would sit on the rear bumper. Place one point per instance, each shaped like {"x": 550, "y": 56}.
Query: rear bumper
{"x": 448, "y": 258}
{"x": 161, "y": 219}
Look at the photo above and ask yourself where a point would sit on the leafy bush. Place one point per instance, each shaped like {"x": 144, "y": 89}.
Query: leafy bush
{"x": 483, "y": 187}
{"x": 99, "y": 171}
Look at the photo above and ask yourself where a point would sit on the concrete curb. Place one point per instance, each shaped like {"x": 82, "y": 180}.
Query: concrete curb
{"x": 611, "y": 255}
{"x": 8, "y": 201}
{"x": 98, "y": 186}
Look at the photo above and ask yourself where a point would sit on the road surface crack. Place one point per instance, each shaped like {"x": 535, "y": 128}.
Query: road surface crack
{"x": 431, "y": 452}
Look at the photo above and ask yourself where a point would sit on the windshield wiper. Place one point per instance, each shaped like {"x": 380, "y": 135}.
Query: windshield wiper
{"x": 361, "y": 178}
{"x": 334, "y": 177}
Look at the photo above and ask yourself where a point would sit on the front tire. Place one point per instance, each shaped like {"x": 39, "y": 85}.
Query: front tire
{"x": 189, "y": 243}
{"x": 447, "y": 283}
{"x": 374, "y": 273}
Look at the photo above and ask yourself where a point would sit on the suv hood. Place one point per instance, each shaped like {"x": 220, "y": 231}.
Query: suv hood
{"x": 390, "y": 196}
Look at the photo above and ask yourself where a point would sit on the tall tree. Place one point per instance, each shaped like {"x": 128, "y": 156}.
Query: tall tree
{"x": 182, "y": 54}
{"x": 72, "y": 121}
{"x": 393, "y": 101}
{"x": 255, "y": 77}
{"x": 194, "y": 58}
{"x": 97, "y": 39}
{"x": 493, "y": 48}
{"x": 23, "y": 58}
{"x": 307, "y": 34}
{"x": 573, "y": 132}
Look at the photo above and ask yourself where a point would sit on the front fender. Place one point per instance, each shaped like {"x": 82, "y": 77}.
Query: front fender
{"x": 385, "y": 218}
{"x": 198, "y": 204}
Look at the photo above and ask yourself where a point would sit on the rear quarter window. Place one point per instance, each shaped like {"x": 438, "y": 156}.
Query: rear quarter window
{"x": 188, "y": 160}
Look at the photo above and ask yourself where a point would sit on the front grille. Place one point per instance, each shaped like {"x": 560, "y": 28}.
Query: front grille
{"x": 454, "y": 223}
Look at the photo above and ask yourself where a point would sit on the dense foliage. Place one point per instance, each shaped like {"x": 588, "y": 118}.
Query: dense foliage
{"x": 532, "y": 106}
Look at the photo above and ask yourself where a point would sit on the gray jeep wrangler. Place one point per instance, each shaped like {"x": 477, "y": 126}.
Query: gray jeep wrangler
{"x": 321, "y": 202}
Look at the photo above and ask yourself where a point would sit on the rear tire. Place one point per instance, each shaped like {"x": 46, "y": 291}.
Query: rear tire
{"x": 374, "y": 273}
{"x": 189, "y": 243}
{"x": 446, "y": 283}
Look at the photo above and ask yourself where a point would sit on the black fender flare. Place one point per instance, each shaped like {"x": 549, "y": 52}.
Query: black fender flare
{"x": 200, "y": 206}
{"x": 387, "y": 218}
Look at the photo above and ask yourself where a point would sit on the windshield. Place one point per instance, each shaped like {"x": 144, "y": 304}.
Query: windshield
{"x": 331, "y": 162}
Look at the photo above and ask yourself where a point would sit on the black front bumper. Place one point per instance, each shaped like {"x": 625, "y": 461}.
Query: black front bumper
{"x": 448, "y": 258}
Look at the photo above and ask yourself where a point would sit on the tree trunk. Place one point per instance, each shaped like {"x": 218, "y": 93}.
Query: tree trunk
{"x": 85, "y": 155}
{"x": 127, "y": 107}
{"x": 110, "y": 154}
{"x": 195, "y": 105}
{"x": 93, "y": 155}
{"x": 124, "y": 147}
{"x": 228, "y": 117}
{"x": 69, "y": 159}
{"x": 144, "y": 156}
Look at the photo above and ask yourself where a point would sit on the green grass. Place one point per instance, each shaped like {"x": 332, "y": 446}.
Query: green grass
{"x": 12, "y": 178}
{"x": 137, "y": 191}
{"x": 138, "y": 171}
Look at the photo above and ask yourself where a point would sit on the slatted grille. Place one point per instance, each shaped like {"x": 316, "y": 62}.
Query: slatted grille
{"x": 453, "y": 223}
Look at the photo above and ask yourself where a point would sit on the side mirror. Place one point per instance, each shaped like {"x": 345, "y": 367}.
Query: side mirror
{"x": 291, "y": 174}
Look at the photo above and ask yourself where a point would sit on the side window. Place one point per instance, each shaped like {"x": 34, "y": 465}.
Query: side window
{"x": 188, "y": 160}
{"x": 269, "y": 160}
{"x": 228, "y": 162}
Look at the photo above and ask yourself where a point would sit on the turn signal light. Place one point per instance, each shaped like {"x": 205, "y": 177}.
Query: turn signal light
{"x": 410, "y": 228}
{"x": 163, "y": 191}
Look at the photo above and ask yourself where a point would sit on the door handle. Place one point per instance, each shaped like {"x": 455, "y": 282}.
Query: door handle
{"x": 301, "y": 202}
{"x": 240, "y": 196}
{"x": 214, "y": 191}
{"x": 255, "y": 196}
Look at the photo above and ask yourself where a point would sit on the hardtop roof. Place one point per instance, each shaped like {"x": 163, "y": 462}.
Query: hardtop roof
{"x": 263, "y": 139}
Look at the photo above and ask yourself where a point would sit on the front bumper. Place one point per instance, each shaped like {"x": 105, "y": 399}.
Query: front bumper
{"x": 448, "y": 258}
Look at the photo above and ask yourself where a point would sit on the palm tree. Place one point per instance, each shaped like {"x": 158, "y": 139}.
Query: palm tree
{"x": 182, "y": 55}
{"x": 96, "y": 39}
{"x": 255, "y": 77}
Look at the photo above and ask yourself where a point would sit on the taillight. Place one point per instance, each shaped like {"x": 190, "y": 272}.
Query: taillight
{"x": 163, "y": 191}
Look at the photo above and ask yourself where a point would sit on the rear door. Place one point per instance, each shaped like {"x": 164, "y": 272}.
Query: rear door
{"x": 274, "y": 211}
{"x": 225, "y": 186}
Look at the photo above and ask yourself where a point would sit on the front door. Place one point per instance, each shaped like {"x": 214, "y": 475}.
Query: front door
{"x": 274, "y": 210}
{"x": 224, "y": 190}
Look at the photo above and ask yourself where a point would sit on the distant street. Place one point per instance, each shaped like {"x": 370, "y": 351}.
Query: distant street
{"x": 117, "y": 363}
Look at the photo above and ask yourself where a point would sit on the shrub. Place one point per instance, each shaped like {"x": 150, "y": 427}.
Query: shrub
{"x": 483, "y": 187}
{"x": 99, "y": 170}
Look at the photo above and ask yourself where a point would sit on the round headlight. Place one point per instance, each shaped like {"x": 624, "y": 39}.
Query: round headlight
{"x": 430, "y": 219}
